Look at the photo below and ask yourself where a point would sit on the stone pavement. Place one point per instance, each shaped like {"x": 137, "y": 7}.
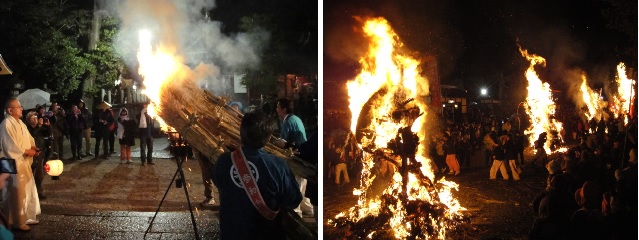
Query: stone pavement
{"x": 103, "y": 199}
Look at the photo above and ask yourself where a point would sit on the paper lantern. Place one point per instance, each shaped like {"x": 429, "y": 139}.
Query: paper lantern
{"x": 54, "y": 168}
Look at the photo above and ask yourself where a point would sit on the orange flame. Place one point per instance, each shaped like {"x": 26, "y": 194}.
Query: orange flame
{"x": 387, "y": 78}
{"x": 539, "y": 103}
{"x": 591, "y": 100}
{"x": 625, "y": 93}
{"x": 157, "y": 66}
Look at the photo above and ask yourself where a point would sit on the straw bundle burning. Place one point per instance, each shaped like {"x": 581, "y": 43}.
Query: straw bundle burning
{"x": 212, "y": 127}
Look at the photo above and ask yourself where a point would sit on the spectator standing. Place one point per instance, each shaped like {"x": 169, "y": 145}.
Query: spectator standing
{"x": 293, "y": 134}
{"x": 126, "y": 135}
{"x": 75, "y": 126}
{"x": 39, "y": 130}
{"x": 145, "y": 129}
{"x": 112, "y": 131}
{"x": 239, "y": 218}
{"x": 86, "y": 131}
{"x": 451, "y": 156}
{"x": 465, "y": 150}
{"x": 58, "y": 128}
{"x": 104, "y": 120}
{"x": 22, "y": 204}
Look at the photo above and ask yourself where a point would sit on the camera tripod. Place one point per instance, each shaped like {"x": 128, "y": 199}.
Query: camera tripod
{"x": 180, "y": 151}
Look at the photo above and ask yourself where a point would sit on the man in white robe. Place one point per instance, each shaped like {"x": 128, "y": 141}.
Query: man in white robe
{"x": 21, "y": 204}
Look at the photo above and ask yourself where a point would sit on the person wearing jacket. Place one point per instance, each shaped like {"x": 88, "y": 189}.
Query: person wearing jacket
{"x": 239, "y": 217}
{"x": 75, "y": 126}
{"x": 103, "y": 120}
{"x": 126, "y": 135}
{"x": 145, "y": 130}
{"x": 498, "y": 162}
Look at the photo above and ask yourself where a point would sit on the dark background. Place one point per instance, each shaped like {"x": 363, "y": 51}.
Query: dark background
{"x": 475, "y": 42}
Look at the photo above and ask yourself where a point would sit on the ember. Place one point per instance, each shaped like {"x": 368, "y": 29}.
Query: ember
{"x": 387, "y": 101}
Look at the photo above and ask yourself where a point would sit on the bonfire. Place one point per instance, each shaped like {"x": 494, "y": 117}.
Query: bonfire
{"x": 387, "y": 102}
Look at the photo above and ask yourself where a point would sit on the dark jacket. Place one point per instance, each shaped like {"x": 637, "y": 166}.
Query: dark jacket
{"x": 38, "y": 134}
{"x": 130, "y": 127}
{"x": 148, "y": 131}
{"x": 103, "y": 119}
{"x": 75, "y": 124}
{"x": 239, "y": 219}
{"x": 88, "y": 116}
{"x": 510, "y": 150}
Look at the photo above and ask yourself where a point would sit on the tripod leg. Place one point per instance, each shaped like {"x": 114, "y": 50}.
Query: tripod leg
{"x": 162, "y": 201}
{"x": 186, "y": 192}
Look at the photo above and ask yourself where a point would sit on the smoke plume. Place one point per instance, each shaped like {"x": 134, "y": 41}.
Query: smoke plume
{"x": 185, "y": 27}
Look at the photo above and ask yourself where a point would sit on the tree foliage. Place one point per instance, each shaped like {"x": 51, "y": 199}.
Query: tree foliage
{"x": 105, "y": 64}
{"x": 47, "y": 44}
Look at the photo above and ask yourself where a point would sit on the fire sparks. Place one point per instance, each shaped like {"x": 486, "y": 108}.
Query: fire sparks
{"x": 540, "y": 105}
{"x": 387, "y": 104}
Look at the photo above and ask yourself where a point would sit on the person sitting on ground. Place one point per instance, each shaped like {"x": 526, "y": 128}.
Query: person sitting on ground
{"x": 239, "y": 217}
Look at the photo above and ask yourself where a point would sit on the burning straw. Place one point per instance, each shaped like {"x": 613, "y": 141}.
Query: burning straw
{"x": 211, "y": 126}
{"x": 389, "y": 121}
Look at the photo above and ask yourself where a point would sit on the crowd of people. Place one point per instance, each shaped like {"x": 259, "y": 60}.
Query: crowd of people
{"x": 32, "y": 144}
{"x": 34, "y": 136}
{"x": 257, "y": 189}
{"x": 591, "y": 188}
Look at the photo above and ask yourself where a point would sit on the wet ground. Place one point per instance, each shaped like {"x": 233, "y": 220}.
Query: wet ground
{"x": 497, "y": 209}
{"x": 104, "y": 199}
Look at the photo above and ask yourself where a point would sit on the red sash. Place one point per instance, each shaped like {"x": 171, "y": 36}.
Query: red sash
{"x": 250, "y": 186}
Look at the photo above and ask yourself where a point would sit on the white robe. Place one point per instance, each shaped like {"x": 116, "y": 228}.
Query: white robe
{"x": 21, "y": 196}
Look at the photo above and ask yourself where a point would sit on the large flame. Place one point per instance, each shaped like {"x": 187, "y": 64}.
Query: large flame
{"x": 539, "y": 103}
{"x": 157, "y": 66}
{"x": 625, "y": 93}
{"x": 388, "y": 78}
{"x": 591, "y": 99}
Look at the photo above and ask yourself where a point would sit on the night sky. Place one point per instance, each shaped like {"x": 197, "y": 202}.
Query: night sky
{"x": 475, "y": 42}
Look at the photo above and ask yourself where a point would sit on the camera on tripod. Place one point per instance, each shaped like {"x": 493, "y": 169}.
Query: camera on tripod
{"x": 178, "y": 146}
{"x": 180, "y": 149}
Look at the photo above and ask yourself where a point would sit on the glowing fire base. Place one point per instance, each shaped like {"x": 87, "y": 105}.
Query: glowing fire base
{"x": 399, "y": 213}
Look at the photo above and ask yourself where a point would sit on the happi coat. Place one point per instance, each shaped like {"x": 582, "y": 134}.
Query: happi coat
{"x": 20, "y": 196}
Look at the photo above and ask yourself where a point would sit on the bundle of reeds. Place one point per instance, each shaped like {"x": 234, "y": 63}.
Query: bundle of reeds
{"x": 212, "y": 127}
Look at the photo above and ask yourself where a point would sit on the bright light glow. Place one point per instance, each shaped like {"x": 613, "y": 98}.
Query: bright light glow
{"x": 483, "y": 91}
{"x": 387, "y": 78}
{"x": 539, "y": 104}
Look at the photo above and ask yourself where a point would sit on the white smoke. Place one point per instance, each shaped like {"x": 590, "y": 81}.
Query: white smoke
{"x": 184, "y": 25}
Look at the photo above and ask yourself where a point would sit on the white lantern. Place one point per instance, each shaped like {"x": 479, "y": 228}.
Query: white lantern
{"x": 54, "y": 168}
